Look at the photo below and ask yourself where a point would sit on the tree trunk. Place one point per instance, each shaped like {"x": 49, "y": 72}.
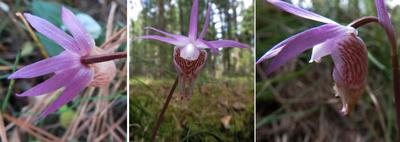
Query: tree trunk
{"x": 162, "y": 50}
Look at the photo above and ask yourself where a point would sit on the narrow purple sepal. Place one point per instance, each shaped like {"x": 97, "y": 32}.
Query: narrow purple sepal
{"x": 227, "y": 43}
{"x": 277, "y": 48}
{"x": 175, "y": 36}
{"x": 52, "y": 32}
{"x": 300, "y": 12}
{"x": 206, "y": 23}
{"x": 52, "y": 84}
{"x": 163, "y": 39}
{"x": 194, "y": 15}
{"x": 384, "y": 19}
{"x": 81, "y": 36}
{"x": 63, "y": 61}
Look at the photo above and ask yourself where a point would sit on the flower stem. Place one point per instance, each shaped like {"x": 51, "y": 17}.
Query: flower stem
{"x": 161, "y": 116}
{"x": 103, "y": 58}
{"x": 395, "y": 71}
{"x": 395, "y": 63}
{"x": 396, "y": 87}
{"x": 363, "y": 21}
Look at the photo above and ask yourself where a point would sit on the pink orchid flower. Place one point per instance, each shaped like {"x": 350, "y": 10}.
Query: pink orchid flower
{"x": 69, "y": 72}
{"x": 341, "y": 42}
{"x": 189, "y": 54}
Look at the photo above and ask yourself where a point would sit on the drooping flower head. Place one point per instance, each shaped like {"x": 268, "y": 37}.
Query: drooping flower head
{"x": 69, "y": 72}
{"x": 189, "y": 54}
{"x": 341, "y": 42}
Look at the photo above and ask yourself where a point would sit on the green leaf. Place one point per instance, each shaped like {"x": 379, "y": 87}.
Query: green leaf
{"x": 375, "y": 61}
{"x": 51, "y": 12}
{"x": 66, "y": 116}
{"x": 51, "y": 47}
{"x": 27, "y": 49}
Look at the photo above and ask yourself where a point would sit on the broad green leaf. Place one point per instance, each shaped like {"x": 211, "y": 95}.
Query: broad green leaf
{"x": 51, "y": 12}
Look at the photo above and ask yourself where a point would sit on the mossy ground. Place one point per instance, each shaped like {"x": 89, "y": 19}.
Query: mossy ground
{"x": 198, "y": 119}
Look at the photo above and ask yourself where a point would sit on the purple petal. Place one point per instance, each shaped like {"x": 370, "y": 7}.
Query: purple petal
{"x": 193, "y": 20}
{"x": 300, "y": 12}
{"x": 276, "y": 49}
{"x": 72, "y": 89}
{"x": 323, "y": 49}
{"x": 163, "y": 39}
{"x": 81, "y": 36}
{"x": 60, "y": 62}
{"x": 52, "y": 84}
{"x": 271, "y": 53}
{"x": 305, "y": 41}
{"x": 206, "y": 23}
{"x": 384, "y": 19}
{"x": 177, "y": 37}
{"x": 52, "y": 32}
{"x": 202, "y": 42}
{"x": 227, "y": 43}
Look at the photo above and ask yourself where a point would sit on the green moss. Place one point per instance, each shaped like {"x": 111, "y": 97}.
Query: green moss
{"x": 198, "y": 119}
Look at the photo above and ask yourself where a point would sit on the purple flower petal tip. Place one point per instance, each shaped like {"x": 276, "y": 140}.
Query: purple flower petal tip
{"x": 78, "y": 30}
{"x": 384, "y": 20}
{"x": 193, "y": 20}
{"x": 21, "y": 95}
{"x": 259, "y": 61}
{"x": 162, "y": 39}
{"x": 227, "y": 43}
{"x": 64, "y": 9}
{"x": 205, "y": 26}
{"x": 12, "y": 76}
{"x": 27, "y": 15}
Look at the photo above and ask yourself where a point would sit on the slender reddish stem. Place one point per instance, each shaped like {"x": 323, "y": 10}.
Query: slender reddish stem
{"x": 395, "y": 71}
{"x": 161, "y": 116}
{"x": 103, "y": 58}
{"x": 395, "y": 63}
{"x": 396, "y": 83}
{"x": 363, "y": 21}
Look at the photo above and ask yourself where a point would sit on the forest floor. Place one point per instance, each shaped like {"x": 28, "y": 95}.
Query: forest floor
{"x": 219, "y": 110}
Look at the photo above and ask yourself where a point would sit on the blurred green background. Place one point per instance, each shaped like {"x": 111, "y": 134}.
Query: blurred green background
{"x": 222, "y": 105}
{"x": 297, "y": 103}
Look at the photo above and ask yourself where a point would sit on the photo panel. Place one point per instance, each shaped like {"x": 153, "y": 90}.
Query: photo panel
{"x": 326, "y": 70}
{"x": 63, "y": 70}
{"x": 191, "y": 70}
